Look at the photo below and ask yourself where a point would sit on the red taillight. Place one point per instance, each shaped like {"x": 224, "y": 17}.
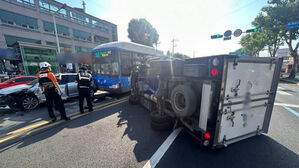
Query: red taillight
{"x": 207, "y": 135}
{"x": 214, "y": 71}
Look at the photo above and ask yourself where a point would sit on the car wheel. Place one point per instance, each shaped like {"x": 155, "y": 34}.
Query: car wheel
{"x": 29, "y": 102}
{"x": 91, "y": 93}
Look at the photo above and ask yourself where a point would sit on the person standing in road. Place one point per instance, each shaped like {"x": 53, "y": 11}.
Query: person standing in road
{"x": 52, "y": 90}
{"x": 84, "y": 81}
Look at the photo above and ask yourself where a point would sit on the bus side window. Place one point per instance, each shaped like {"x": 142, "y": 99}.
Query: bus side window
{"x": 126, "y": 63}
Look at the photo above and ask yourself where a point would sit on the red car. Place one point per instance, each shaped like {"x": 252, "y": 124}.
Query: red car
{"x": 17, "y": 81}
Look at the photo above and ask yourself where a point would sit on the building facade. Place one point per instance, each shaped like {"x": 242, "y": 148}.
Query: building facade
{"x": 31, "y": 21}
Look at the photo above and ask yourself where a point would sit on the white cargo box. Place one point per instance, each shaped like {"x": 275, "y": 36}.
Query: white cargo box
{"x": 247, "y": 96}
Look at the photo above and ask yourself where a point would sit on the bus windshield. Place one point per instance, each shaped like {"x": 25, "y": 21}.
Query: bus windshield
{"x": 105, "y": 63}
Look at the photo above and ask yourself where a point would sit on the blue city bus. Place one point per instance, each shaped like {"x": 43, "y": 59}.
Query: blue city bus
{"x": 112, "y": 64}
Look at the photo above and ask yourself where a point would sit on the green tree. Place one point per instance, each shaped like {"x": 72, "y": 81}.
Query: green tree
{"x": 240, "y": 50}
{"x": 271, "y": 35}
{"x": 182, "y": 56}
{"x": 253, "y": 43}
{"x": 142, "y": 32}
{"x": 283, "y": 12}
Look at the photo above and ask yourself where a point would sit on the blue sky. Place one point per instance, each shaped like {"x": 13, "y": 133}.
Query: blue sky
{"x": 191, "y": 22}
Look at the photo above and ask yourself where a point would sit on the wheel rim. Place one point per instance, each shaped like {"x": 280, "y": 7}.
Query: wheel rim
{"x": 180, "y": 101}
{"x": 30, "y": 103}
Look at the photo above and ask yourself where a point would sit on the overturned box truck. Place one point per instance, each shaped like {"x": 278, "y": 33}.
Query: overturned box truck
{"x": 218, "y": 99}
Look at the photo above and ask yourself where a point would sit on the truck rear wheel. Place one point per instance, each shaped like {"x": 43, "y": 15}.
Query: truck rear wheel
{"x": 133, "y": 100}
{"x": 156, "y": 117}
{"x": 161, "y": 126}
{"x": 161, "y": 123}
{"x": 183, "y": 101}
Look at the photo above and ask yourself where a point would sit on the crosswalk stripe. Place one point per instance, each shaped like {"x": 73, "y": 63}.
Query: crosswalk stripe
{"x": 284, "y": 93}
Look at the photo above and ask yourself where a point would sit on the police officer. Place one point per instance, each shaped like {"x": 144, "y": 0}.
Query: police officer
{"x": 52, "y": 90}
{"x": 84, "y": 81}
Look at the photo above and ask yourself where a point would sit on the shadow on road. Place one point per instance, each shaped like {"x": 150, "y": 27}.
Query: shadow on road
{"x": 261, "y": 151}
{"x": 131, "y": 121}
{"x": 138, "y": 129}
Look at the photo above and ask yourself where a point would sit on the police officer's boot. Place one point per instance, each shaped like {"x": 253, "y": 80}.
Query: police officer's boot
{"x": 53, "y": 119}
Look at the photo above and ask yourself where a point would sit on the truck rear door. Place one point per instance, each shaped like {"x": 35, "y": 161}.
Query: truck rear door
{"x": 248, "y": 90}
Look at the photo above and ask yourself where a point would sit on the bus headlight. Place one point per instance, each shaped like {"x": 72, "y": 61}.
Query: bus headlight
{"x": 116, "y": 86}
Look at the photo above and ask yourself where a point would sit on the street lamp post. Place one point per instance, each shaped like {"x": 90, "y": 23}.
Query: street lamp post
{"x": 55, "y": 27}
{"x": 55, "y": 30}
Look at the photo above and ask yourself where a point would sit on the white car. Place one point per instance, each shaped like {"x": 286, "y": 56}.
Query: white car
{"x": 29, "y": 96}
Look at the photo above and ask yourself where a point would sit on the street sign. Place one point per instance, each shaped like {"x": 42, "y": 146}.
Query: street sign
{"x": 227, "y": 33}
{"x": 237, "y": 32}
{"x": 227, "y": 38}
{"x": 292, "y": 25}
{"x": 241, "y": 53}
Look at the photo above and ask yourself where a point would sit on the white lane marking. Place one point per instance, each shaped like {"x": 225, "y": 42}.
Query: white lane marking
{"x": 162, "y": 149}
{"x": 289, "y": 105}
{"x": 283, "y": 93}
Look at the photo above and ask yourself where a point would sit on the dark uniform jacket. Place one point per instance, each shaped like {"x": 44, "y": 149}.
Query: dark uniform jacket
{"x": 84, "y": 80}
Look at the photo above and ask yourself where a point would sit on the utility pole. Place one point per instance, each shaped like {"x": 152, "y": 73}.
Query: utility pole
{"x": 194, "y": 53}
{"x": 55, "y": 28}
{"x": 173, "y": 45}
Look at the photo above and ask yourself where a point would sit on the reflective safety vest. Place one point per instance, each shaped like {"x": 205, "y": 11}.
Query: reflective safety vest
{"x": 84, "y": 80}
{"x": 46, "y": 79}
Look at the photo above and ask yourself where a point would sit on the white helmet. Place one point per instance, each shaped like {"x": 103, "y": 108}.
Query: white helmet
{"x": 44, "y": 65}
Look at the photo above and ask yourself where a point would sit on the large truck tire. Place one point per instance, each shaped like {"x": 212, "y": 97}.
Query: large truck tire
{"x": 133, "y": 100}
{"x": 183, "y": 101}
{"x": 161, "y": 126}
{"x": 156, "y": 117}
{"x": 161, "y": 123}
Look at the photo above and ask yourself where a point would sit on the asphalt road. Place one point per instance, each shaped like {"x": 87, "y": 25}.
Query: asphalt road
{"x": 120, "y": 136}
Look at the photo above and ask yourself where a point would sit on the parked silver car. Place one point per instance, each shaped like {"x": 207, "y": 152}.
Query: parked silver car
{"x": 29, "y": 96}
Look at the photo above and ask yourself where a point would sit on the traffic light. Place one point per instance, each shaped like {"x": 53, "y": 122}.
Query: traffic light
{"x": 252, "y": 30}
{"x": 216, "y": 36}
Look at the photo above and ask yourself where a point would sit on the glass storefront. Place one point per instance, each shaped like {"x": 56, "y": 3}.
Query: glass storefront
{"x": 10, "y": 40}
{"x": 32, "y": 56}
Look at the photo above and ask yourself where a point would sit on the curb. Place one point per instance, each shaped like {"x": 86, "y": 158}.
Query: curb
{"x": 289, "y": 81}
